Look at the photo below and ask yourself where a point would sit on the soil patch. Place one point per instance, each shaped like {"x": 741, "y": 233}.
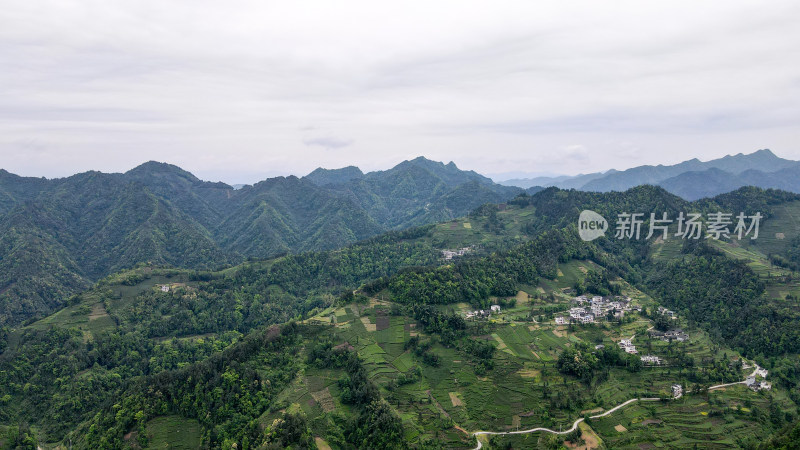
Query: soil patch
{"x": 381, "y": 323}
{"x": 98, "y": 311}
{"x": 367, "y": 324}
{"x": 455, "y": 399}
{"x": 324, "y": 399}
{"x": 346, "y": 346}
{"x": 321, "y": 444}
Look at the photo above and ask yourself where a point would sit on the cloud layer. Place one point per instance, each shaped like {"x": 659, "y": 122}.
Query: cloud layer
{"x": 242, "y": 90}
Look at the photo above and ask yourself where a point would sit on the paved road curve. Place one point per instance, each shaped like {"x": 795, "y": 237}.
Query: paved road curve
{"x": 575, "y": 425}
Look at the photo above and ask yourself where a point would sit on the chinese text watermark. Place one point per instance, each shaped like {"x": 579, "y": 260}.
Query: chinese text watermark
{"x": 717, "y": 225}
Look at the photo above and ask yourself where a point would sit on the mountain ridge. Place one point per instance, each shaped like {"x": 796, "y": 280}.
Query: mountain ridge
{"x": 85, "y": 226}
{"x": 763, "y": 160}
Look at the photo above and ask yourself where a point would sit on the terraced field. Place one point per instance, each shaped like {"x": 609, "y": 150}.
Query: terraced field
{"x": 719, "y": 421}
{"x": 174, "y": 432}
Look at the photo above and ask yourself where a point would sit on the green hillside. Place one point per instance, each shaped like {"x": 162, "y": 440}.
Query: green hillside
{"x": 59, "y": 236}
{"x": 370, "y": 345}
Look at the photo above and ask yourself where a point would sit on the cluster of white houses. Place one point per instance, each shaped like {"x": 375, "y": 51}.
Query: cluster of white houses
{"x": 671, "y": 335}
{"x": 483, "y": 312}
{"x": 450, "y": 254}
{"x": 652, "y": 360}
{"x": 758, "y": 385}
{"x": 589, "y": 310}
{"x": 628, "y": 347}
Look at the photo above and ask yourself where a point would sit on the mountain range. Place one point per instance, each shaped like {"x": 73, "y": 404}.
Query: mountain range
{"x": 58, "y": 236}
{"x": 692, "y": 179}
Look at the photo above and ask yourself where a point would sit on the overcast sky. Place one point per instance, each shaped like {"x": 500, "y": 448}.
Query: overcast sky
{"x": 238, "y": 91}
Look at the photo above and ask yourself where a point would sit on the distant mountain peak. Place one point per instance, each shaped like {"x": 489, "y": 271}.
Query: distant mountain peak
{"x": 322, "y": 177}
{"x": 155, "y": 168}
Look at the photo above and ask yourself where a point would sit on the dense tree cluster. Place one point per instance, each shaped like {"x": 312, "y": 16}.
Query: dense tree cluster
{"x": 596, "y": 282}
{"x": 497, "y": 275}
{"x": 724, "y": 296}
{"x": 582, "y": 362}
{"x": 226, "y": 393}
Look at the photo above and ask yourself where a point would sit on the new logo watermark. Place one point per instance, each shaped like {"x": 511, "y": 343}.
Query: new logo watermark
{"x": 592, "y": 225}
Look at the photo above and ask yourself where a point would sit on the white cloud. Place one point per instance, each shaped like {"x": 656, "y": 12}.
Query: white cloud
{"x": 328, "y": 142}
{"x": 229, "y": 89}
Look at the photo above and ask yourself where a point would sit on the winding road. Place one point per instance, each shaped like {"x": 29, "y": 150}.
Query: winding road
{"x": 578, "y": 421}
{"x": 574, "y": 425}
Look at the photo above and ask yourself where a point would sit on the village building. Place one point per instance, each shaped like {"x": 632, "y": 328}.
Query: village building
{"x": 580, "y": 300}
{"x": 650, "y": 359}
{"x": 627, "y": 346}
{"x": 561, "y": 321}
{"x": 671, "y": 335}
{"x": 495, "y": 308}
{"x": 450, "y": 254}
{"x": 576, "y": 313}
{"x": 666, "y": 312}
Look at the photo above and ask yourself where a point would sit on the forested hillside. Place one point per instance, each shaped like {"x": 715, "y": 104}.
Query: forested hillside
{"x": 377, "y": 348}
{"x": 59, "y": 236}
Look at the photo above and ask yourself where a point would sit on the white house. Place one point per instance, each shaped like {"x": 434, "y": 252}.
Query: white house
{"x": 650, "y": 359}
{"x": 164, "y": 288}
{"x": 580, "y": 300}
{"x": 495, "y": 308}
{"x": 577, "y": 313}
{"x": 628, "y": 346}
{"x": 561, "y": 321}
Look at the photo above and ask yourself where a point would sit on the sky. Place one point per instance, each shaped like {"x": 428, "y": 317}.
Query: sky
{"x": 239, "y": 91}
